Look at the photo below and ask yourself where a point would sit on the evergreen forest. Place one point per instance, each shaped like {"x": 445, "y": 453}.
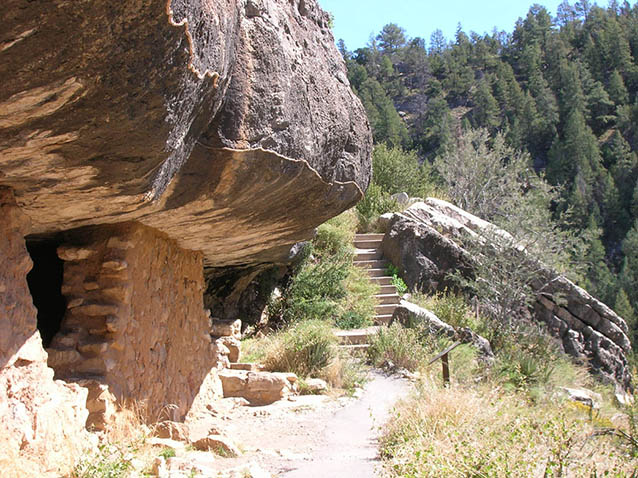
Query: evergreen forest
{"x": 563, "y": 90}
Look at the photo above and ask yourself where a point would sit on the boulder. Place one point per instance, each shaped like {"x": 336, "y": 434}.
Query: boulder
{"x": 218, "y": 444}
{"x": 583, "y": 395}
{"x": 425, "y": 242}
{"x": 173, "y": 430}
{"x": 423, "y": 255}
{"x": 259, "y": 388}
{"x": 410, "y": 315}
{"x": 226, "y": 328}
{"x": 468, "y": 336}
{"x": 315, "y": 385}
{"x": 185, "y": 122}
{"x": 401, "y": 198}
{"x": 234, "y": 348}
{"x": 383, "y": 222}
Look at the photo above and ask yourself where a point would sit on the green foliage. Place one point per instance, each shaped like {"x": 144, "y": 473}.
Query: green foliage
{"x": 451, "y": 308}
{"x": 167, "y": 453}
{"x": 306, "y": 348}
{"x": 375, "y": 202}
{"x": 562, "y": 94}
{"x": 398, "y": 171}
{"x": 394, "y": 171}
{"x": 109, "y": 462}
{"x": 402, "y": 346}
{"x": 397, "y": 282}
{"x": 326, "y": 285}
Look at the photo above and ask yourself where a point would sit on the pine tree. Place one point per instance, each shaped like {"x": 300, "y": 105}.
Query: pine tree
{"x": 486, "y": 112}
{"x": 629, "y": 272}
{"x": 623, "y": 307}
{"x": 617, "y": 89}
{"x": 391, "y": 38}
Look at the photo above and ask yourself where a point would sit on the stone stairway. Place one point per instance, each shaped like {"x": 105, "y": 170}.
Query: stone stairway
{"x": 370, "y": 256}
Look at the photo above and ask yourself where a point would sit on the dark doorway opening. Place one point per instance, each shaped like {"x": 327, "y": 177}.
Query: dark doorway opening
{"x": 45, "y": 284}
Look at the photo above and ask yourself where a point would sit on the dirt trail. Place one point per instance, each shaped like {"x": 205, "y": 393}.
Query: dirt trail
{"x": 316, "y": 436}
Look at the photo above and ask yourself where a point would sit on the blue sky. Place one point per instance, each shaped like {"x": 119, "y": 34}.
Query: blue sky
{"x": 355, "y": 20}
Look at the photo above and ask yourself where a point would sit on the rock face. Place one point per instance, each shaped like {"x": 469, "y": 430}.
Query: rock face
{"x": 411, "y": 315}
{"x": 228, "y": 125}
{"x": 145, "y": 141}
{"x": 41, "y": 420}
{"x": 425, "y": 244}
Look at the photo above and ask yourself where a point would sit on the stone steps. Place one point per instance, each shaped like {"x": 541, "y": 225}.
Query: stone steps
{"x": 383, "y": 319}
{"x": 391, "y": 298}
{"x": 381, "y": 281}
{"x": 371, "y": 264}
{"x": 369, "y": 256}
{"x": 356, "y": 336}
{"x": 387, "y": 289}
{"x": 246, "y": 366}
{"x": 378, "y": 273}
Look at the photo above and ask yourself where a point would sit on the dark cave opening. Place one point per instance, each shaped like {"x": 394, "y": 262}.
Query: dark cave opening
{"x": 45, "y": 285}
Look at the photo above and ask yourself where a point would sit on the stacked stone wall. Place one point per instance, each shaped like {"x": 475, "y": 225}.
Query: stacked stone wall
{"x": 135, "y": 320}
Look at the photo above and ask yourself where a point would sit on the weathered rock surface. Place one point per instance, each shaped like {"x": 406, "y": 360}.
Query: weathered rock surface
{"x": 259, "y": 388}
{"x": 411, "y": 315}
{"x": 42, "y": 421}
{"x": 425, "y": 243}
{"x": 228, "y": 125}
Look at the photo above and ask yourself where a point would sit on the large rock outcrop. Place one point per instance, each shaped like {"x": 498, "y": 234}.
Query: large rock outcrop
{"x": 41, "y": 420}
{"x": 425, "y": 243}
{"x": 227, "y": 124}
{"x": 144, "y": 141}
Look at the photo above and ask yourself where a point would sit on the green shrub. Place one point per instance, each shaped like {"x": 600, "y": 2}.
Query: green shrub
{"x": 357, "y": 306}
{"x": 451, "y": 308}
{"x": 398, "y": 171}
{"x": 397, "y": 282}
{"x": 400, "y": 345}
{"x": 335, "y": 237}
{"x": 109, "y": 462}
{"x": 307, "y": 348}
{"x": 326, "y": 285}
{"x": 374, "y": 203}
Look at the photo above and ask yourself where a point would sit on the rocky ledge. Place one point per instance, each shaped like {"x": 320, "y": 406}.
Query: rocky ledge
{"x": 425, "y": 243}
{"x": 229, "y": 125}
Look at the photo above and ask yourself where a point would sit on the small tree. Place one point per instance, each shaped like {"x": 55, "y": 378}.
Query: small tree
{"x": 492, "y": 180}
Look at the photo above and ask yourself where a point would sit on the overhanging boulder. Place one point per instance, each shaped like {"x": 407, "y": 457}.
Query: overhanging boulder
{"x": 228, "y": 125}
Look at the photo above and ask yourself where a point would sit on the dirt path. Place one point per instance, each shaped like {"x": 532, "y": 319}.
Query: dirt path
{"x": 315, "y": 436}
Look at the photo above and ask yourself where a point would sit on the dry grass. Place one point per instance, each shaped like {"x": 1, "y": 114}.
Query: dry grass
{"x": 483, "y": 431}
{"x": 124, "y": 449}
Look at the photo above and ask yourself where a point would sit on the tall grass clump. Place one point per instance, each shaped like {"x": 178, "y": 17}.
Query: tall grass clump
{"x": 400, "y": 345}
{"x": 306, "y": 348}
{"x": 485, "y": 432}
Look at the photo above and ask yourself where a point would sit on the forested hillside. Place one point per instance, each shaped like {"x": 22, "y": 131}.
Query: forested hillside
{"x": 563, "y": 89}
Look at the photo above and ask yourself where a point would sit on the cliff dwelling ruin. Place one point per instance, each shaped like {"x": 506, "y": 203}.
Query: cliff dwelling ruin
{"x": 169, "y": 137}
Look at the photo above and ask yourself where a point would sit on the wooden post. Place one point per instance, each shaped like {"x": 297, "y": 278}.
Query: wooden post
{"x": 446, "y": 370}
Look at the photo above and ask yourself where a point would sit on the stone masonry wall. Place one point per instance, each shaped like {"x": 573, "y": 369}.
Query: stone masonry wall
{"x": 135, "y": 319}
{"x": 42, "y": 421}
